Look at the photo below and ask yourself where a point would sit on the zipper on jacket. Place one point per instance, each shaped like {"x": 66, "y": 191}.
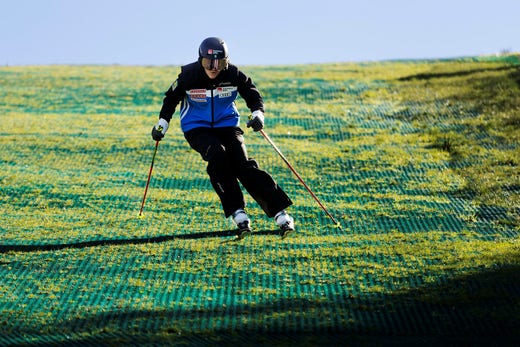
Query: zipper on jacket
{"x": 212, "y": 107}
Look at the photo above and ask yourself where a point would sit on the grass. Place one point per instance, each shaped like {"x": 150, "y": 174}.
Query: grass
{"x": 417, "y": 159}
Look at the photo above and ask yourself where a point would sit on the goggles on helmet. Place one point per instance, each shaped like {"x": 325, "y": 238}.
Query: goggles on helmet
{"x": 215, "y": 64}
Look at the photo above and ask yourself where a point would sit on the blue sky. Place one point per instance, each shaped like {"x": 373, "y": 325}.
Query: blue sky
{"x": 264, "y": 32}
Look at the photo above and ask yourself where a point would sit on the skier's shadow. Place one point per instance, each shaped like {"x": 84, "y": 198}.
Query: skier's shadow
{"x": 232, "y": 234}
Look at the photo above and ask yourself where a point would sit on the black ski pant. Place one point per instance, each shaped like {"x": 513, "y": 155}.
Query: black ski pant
{"x": 228, "y": 163}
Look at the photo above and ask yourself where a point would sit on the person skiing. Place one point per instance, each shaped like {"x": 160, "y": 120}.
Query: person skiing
{"x": 207, "y": 90}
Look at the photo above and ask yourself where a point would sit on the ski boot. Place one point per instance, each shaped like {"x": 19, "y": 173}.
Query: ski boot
{"x": 243, "y": 223}
{"x": 285, "y": 222}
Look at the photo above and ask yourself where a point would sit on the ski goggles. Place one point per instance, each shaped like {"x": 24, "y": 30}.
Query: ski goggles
{"x": 215, "y": 64}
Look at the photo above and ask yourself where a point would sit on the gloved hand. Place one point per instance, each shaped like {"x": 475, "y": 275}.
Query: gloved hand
{"x": 256, "y": 121}
{"x": 159, "y": 129}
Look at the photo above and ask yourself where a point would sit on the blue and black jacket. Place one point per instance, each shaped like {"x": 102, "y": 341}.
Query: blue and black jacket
{"x": 209, "y": 103}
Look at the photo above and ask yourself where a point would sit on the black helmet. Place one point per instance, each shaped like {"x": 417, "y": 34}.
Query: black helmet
{"x": 213, "y": 54}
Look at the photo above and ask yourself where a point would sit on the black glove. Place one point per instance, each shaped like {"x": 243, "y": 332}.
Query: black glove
{"x": 159, "y": 129}
{"x": 256, "y": 121}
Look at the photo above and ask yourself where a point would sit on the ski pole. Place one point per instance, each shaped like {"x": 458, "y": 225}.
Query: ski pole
{"x": 299, "y": 178}
{"x": 149, "y": 176}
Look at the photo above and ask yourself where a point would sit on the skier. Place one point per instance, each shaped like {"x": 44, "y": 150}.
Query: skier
{"x": 210, "y": 121}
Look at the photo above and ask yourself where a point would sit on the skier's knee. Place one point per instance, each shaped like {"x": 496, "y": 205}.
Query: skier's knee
{"x": 249, "y": 164}
{"x": 217, "y": 160}
{"x": 215, "y": 153}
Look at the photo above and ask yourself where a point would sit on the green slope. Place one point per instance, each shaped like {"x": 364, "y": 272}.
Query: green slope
{"x": 418, "y": 160}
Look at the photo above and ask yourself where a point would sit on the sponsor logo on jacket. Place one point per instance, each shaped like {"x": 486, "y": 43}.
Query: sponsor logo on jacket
{"x": 225, "y": 92}
{"x": 198, "y": 95}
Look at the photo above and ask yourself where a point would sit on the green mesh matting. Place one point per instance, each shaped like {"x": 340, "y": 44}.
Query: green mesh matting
{"x": 416, "y": 259}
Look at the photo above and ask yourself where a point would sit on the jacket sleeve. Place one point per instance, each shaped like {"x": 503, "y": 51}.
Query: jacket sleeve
{"x": 249, "y": 92}
{"x": 173, "y": 97}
